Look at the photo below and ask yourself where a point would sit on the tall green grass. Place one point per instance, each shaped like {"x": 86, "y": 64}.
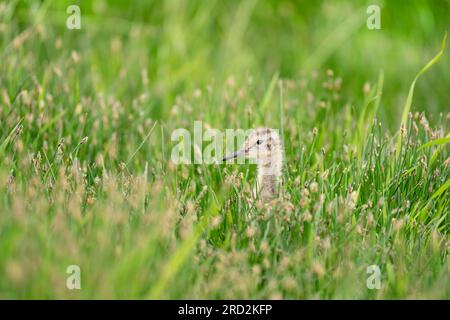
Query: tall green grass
{"x": 85, "y": 171}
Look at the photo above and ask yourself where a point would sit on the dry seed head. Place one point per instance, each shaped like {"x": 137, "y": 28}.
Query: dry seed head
{"x": 305, "y": 192}
{"x": 289, "y": 283}
{"x": 215, "y": 221}
{"x": 304, "y": 202}
{"x": 321, "y": 199}
{"x": 314, "y": 187}
{"x": 264, "y": 247}
{"x": 75, "y": 57}
{"x": 250, "y": 231}
{"x": 306, "y": 217}
{"x": 84, "y": 140}
{"x": 366, "y": 88}
{"x": 318, "y": 269}
{"x": 256, "y": 270}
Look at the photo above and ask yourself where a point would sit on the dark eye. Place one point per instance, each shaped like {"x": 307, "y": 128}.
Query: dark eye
{"x": 259, "y": 142}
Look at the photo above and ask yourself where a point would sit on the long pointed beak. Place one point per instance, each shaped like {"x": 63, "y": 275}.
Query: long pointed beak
{"x": 233, "y": 155}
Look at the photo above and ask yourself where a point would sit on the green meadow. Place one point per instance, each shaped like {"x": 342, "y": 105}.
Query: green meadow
{"x": 86, "y": 176}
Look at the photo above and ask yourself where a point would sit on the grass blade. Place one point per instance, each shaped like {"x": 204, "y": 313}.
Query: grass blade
{"x": 142, "y": 143}
{"x": 436, "y": 142}
{"x": 8, "y": 139}
{"x": 441, "y": 190}
{"x": 409, "y": 99}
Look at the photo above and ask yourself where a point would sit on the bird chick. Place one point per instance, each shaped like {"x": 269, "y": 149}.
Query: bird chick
{"x": 265, "y": 147}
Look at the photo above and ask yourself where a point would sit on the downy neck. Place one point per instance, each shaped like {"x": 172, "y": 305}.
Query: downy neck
{"x": 269, "y": 176}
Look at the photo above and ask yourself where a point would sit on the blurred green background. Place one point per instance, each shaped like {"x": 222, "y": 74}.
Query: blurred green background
{"x": 85, "y": 172}
{"x": 184, "y": 45}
